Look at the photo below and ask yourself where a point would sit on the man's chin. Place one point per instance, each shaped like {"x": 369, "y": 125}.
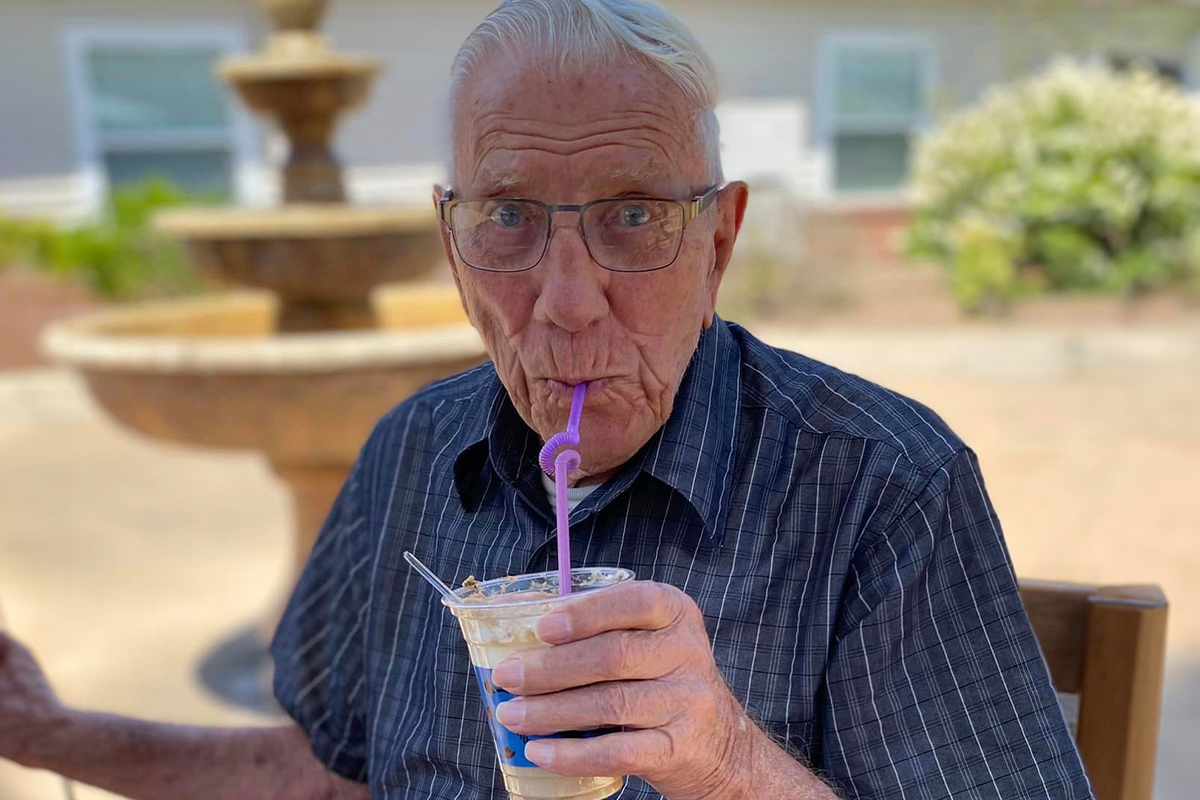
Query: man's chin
{"x": 606, "y": 449}
{"x": 606, "y": 440}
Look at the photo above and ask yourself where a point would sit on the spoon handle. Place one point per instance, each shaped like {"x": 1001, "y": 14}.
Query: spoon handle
{"x": 434, "y": 581}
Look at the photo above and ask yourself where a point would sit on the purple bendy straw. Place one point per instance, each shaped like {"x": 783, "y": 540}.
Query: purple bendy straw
{"x": 560, "y": 468}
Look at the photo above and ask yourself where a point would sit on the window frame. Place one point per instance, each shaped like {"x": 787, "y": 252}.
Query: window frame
{"x": 1190, "y": 58}
{"x": 239, "y": 134}
{"x": 827, "y": 128}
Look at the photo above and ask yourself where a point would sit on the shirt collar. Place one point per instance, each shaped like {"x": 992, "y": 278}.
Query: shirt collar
{"x": 692, "y": 454}
{"x": 488, "y": 425}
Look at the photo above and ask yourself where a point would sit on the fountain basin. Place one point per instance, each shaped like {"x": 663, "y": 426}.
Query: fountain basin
{"x": 310, "y": 253}
{"x": 295, "y": 91}
{"x": 299, "y": 77}
{"x": 211, "y": 372}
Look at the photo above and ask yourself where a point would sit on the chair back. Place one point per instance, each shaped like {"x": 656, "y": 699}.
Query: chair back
{"x": 1106, "y": 649}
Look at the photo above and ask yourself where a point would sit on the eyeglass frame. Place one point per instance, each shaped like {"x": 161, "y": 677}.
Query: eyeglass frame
{"x": 691, "y": 209}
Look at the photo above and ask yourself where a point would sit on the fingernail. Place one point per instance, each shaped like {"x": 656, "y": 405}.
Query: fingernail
{"x": 539, "y": 752}
{"x": 510, "y": 674}
{"x": 554, "y": 628}
{"x": 511, "y": 713}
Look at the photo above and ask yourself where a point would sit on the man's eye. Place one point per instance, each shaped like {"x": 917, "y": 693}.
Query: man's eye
{"x": 510, "y": 216}
{"x": 634, "y": 216}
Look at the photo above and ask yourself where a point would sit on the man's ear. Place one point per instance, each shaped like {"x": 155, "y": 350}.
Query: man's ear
{"x": 730, "y": 210}
{"x": 447, "y": 239}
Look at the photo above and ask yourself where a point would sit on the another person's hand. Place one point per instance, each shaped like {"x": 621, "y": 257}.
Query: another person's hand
{"x": 634, "y": 655}
{"x": 28, "y": 705}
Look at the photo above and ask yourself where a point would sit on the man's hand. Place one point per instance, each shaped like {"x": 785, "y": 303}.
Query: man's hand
{"x": 634, "y": 655}
{"x": 153, "y": 760}
{"x": 28, "y": 706}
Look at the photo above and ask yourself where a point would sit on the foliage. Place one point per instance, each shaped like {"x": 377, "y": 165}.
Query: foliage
{"x": 119, "y": 257}
{"x": 1079, "y": 179}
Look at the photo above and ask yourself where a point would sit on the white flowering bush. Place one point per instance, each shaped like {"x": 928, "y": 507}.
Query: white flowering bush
{"x": 1080, "y": 178}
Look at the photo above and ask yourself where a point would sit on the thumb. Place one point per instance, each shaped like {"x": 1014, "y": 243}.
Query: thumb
{"x": 10, "y": 648}
{"x": 7, "y": 647}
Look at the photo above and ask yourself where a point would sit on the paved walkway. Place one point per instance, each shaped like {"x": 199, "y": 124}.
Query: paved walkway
{"x": 124, "y": 562}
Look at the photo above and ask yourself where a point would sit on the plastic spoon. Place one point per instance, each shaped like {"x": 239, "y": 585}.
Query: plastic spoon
{"x": 434, "y": 581}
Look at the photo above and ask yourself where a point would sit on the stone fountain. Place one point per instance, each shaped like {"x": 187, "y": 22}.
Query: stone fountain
{"x": 342, "y": 322}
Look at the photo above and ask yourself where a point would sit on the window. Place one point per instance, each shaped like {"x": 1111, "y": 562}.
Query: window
{"x": 875, "y": 97}
{"x": 1191, "y": 64}
{"x": 1171, "y": 71}
{"x": 150, "y": 104}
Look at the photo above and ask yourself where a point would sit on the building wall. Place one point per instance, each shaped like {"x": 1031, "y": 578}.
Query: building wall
{"x": 417, "y": 41}
{"x": 42, "y": 163}
{"x": 765, "y": 49}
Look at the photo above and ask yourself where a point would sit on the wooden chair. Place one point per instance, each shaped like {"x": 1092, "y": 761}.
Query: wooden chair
{"x": 1106, "y": 645}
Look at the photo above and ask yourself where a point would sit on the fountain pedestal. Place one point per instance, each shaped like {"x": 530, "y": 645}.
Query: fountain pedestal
{"x": 313, "y": 490}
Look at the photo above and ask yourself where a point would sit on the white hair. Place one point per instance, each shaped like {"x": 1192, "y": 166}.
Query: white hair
{"x": 582, "y": 34}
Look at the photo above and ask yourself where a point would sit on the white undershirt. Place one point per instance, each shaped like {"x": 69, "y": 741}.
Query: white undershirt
{"x": 575, "y": 494}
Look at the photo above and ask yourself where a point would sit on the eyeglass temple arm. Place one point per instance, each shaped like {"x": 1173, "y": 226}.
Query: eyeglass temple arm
{"x": 445, "y": 203}
{"x": 701, "y": 203}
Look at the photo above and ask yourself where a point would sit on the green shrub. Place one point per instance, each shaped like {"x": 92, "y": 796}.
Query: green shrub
{"x": 1079, "y": 179}
{"x": 120, "y": 257}
{"x": 19, "y": 240}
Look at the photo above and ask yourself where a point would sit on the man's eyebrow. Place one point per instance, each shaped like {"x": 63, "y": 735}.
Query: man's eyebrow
{"x": 634, "y": 173}
{"x": 493, "y": 181}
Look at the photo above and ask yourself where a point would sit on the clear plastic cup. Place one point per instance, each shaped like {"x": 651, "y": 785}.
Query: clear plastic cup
{"x": 497, "y": 618}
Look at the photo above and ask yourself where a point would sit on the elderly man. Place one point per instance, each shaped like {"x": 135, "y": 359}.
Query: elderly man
{"x": 826, "y": 606}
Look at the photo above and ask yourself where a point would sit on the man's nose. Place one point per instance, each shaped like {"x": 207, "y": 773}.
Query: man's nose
{"x": 573, "y": 286}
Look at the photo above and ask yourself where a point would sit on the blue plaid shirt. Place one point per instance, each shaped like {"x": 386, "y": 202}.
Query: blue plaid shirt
{"x": 837, "y": 536}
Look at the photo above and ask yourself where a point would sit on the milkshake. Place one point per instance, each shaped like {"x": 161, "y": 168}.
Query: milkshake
{"x": 497, "y": 618}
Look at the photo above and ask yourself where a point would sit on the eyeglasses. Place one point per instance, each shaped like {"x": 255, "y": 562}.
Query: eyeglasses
{"x": 623, "y": 234}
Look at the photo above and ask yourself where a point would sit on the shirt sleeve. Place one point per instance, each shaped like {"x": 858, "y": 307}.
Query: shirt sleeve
{"x": 936, "y": 687}
{"x": 319, "y": 646}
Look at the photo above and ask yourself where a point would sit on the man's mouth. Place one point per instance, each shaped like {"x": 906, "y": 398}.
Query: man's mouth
{"x": 568, "y": 387}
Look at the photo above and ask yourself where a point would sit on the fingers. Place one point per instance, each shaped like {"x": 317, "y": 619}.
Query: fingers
{"x": 613, "y": 656}
{"x": 9, "y": 646}
{"x": 634, "y": 704}
{"x": 626, "y": 753}
{"x": 636, "y": 605}
{"x": 637, "y": 656}
{"x": 633, "y": 631}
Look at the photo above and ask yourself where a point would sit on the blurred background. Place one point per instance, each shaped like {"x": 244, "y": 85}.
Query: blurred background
{"x": 992, "y": 206}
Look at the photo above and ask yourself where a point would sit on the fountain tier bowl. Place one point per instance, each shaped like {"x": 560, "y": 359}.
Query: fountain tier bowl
{"x": 309, "y": 253}
{"x": 210, "y": 371}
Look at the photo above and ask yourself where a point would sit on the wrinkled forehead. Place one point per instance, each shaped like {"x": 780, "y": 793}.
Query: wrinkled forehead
{"x": 564, "y": 134}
